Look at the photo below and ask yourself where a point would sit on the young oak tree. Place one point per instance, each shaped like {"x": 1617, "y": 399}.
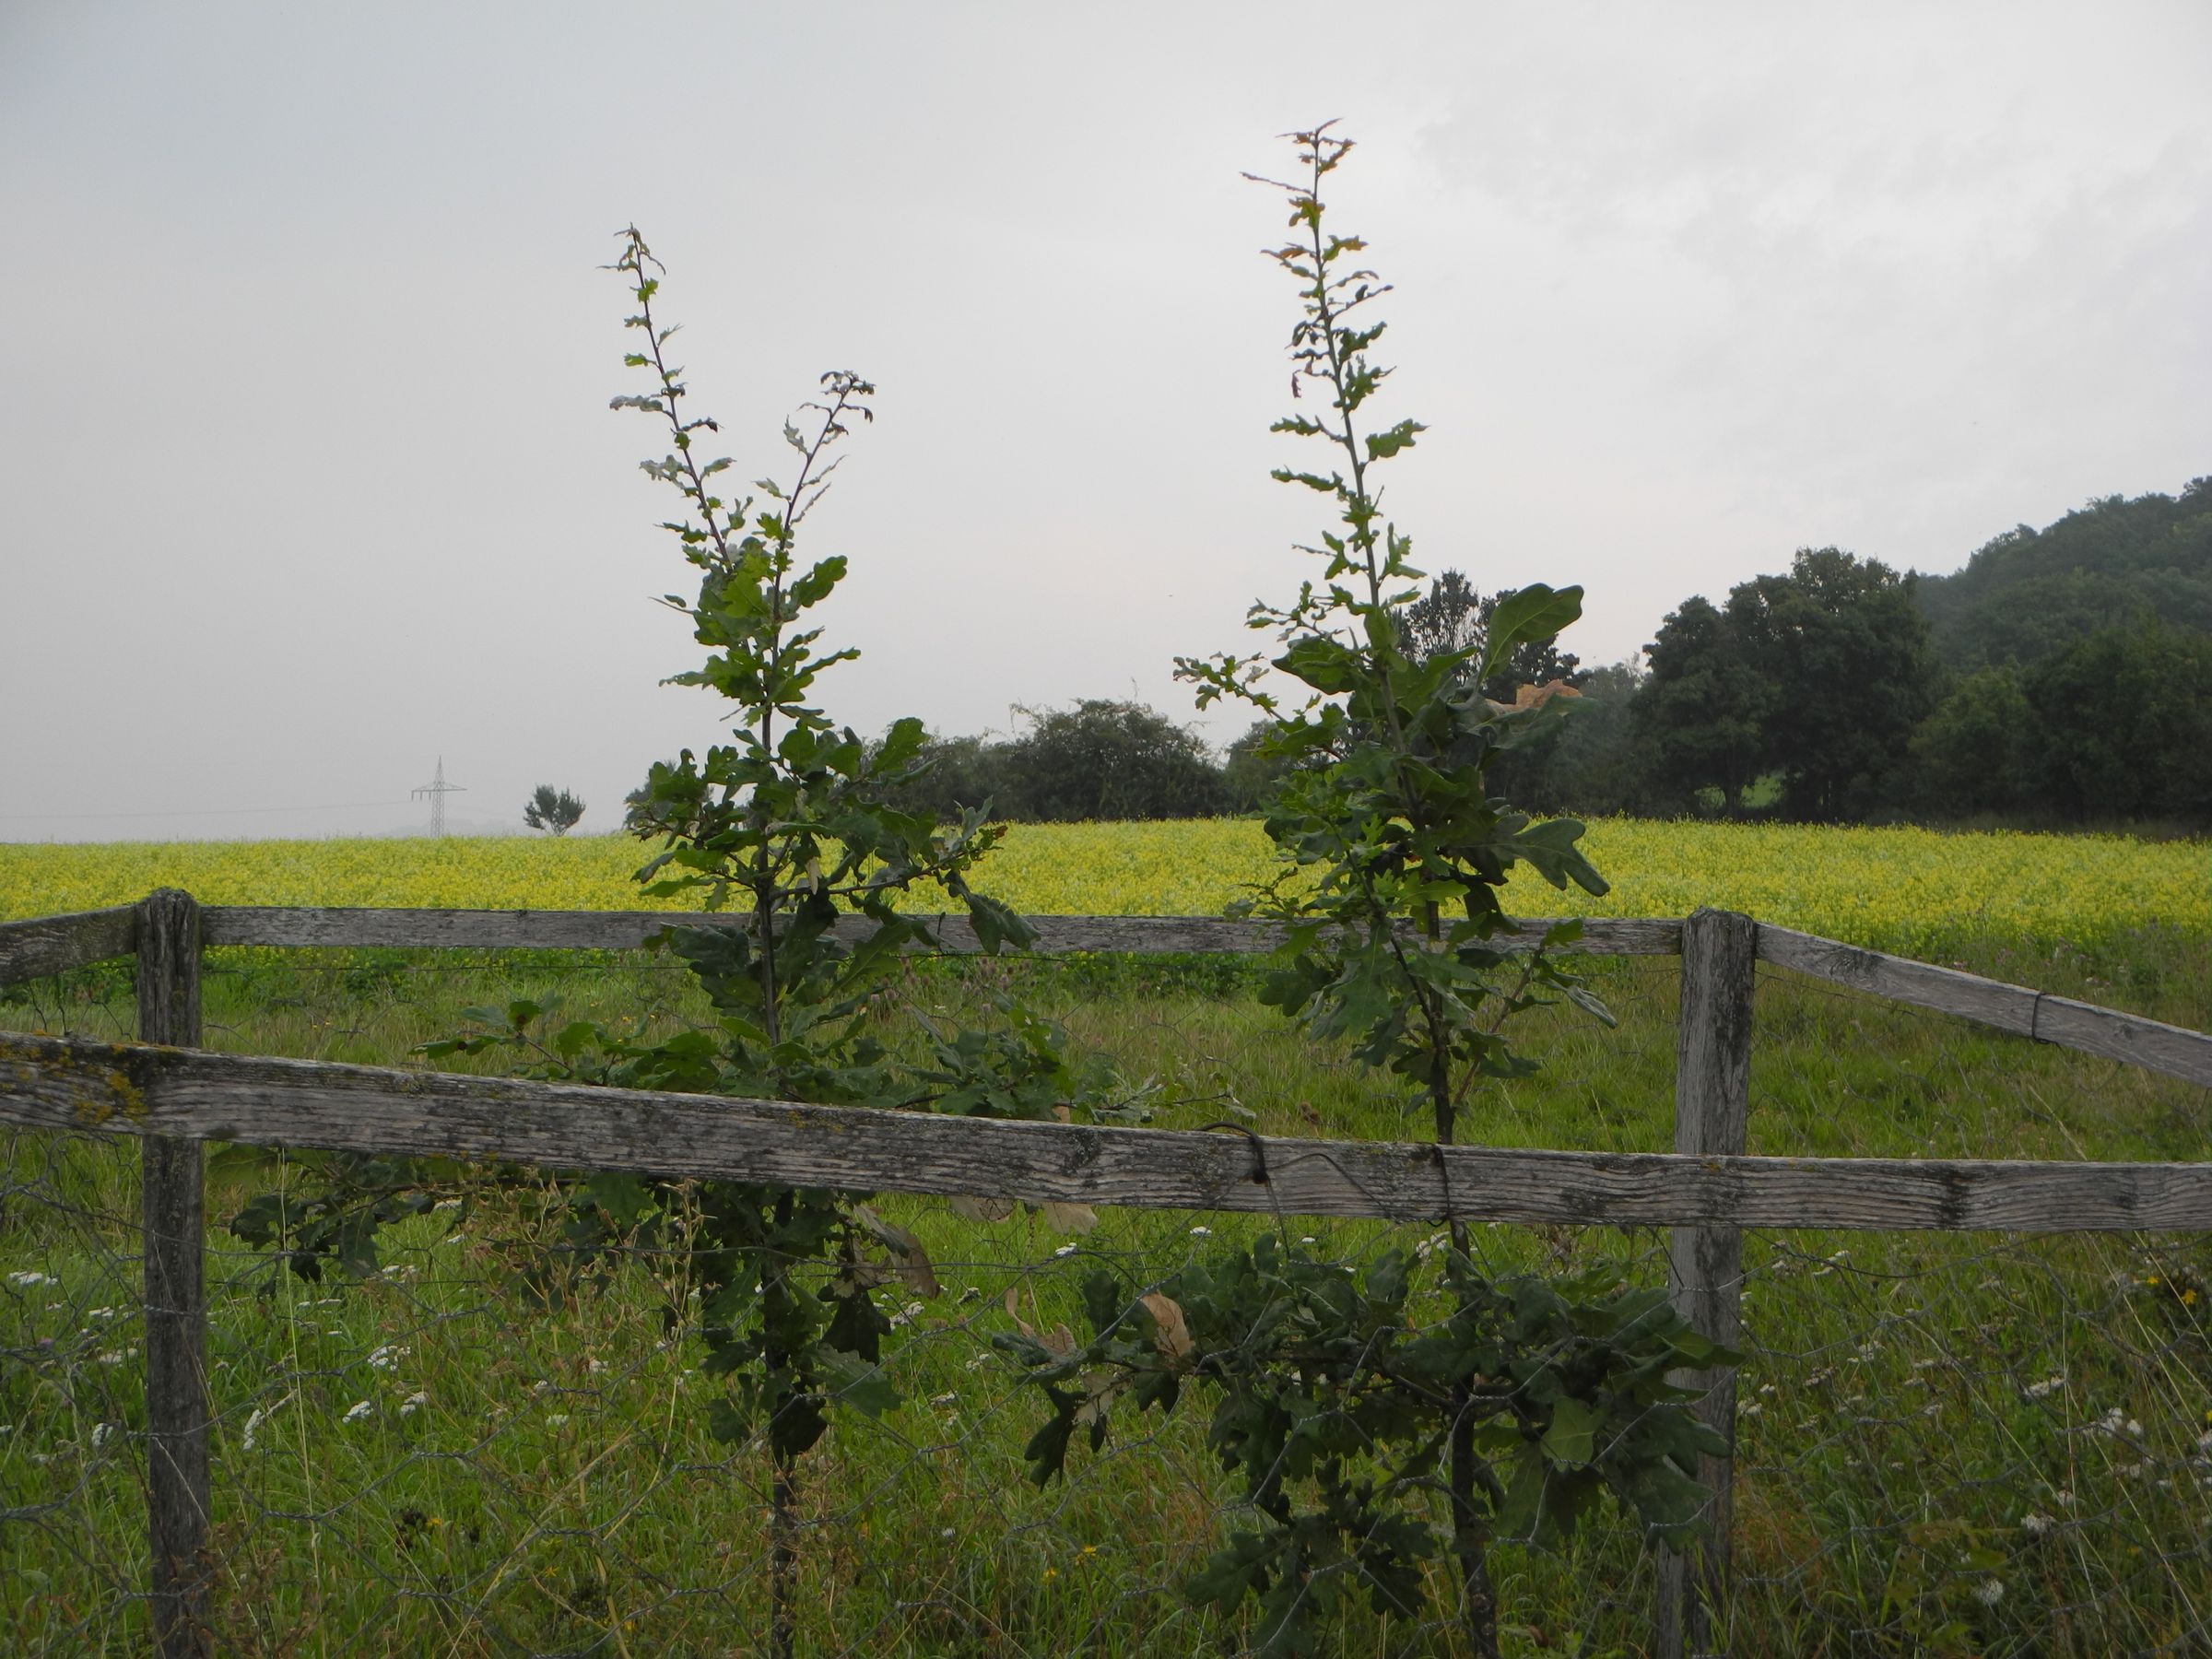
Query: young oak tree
{"x": 791, "y": 827}
{"x": 1348, "y": 1402}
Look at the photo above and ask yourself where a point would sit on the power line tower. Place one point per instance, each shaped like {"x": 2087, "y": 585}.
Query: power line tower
{"x": 437, "y": 789}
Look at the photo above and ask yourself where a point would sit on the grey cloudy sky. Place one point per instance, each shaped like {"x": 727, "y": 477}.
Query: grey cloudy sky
{"x": 307, "y": 475}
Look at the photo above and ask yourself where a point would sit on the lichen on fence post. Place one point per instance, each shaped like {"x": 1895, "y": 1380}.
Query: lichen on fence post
{"x": 168, "y": 936}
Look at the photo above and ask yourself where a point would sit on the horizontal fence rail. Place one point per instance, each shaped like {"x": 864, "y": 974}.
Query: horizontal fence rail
{"x": 49, "y": 944}
{"x": 45, "y": 945}
{"x": 625, "y": 930}
{"x": 2058, "y": 1020}
{"x": 61, "y": 1083}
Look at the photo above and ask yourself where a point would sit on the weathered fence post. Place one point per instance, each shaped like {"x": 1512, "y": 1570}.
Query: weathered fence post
{"x": 176, "y": 1309}
{"x": 1713, "y": 1075}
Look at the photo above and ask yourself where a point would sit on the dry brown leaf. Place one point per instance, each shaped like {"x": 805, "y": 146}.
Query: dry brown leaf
{"x": 1070, "y": 1217}
{"x": 1059, "y": 1342}
{"x": 1170, "y": 1334}
{"x": 1014, "y": 1310}
{"x": 909, "y": 1259}
{"x": 1535, "y": 697}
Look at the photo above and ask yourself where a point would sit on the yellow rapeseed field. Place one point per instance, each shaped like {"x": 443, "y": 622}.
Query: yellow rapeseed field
{"x": 1896, "y": 889}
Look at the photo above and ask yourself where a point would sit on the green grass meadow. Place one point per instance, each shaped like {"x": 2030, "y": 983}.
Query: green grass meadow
{"x": 1966, "y": 1445}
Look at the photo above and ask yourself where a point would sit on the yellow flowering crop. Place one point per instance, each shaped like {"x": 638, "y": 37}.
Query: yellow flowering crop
{"x": 1898, "y": 889}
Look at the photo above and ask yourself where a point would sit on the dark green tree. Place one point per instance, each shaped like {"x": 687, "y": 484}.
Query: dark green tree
{"x": 2029, "y": 594}
{"x": 1102, "y": 759}
{"x": 1820, "y": 675}
{"x": 1842, "y": 643}
{"x": 1250, "y": 770}
{"x": 1704, "y": 713}
{"x": 2122, "y": 723}
{"x": 553, "y": 809}
{"x": 1978, "y": 752}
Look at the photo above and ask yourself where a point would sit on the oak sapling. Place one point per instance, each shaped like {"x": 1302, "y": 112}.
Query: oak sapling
{"x": 1346, "y": 1399}
{"x": 791, "y": 828}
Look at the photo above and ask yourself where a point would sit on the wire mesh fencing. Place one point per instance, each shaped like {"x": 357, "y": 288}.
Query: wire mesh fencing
{"x": 1978, "y": 1445}
{"x": 435, "y": 1457}
{"x": 1944, "y": 1442}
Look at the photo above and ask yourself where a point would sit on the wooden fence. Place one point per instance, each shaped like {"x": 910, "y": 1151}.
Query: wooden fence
{"x": 1705, "y": 1192}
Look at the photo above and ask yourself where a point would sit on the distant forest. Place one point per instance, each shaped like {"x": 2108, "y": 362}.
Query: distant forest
{"x": 2063, "y": 677}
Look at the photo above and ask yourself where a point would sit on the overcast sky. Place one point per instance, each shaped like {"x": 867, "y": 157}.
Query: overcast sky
{"x": 308, "y": 477}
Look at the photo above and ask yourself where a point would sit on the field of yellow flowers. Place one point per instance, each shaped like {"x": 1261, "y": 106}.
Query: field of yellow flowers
{"x": 1901, "y": 889}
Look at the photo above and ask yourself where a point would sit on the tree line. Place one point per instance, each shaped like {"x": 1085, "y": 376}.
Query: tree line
{"x": 2063, "y": 677}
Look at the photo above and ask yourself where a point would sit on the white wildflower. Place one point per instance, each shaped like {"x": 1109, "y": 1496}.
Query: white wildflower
{"x": 101, "y": 1432}
{"x": 30, "y": 1278}
{"x": 945, "y": 1398}
{"x": 255, "y": 1419}
{"x": 388, "y": 1355}
{"x": 357, "y": 1411}
{"x": 1989, "y": 1592}
{"x": 1065, "y": 1249}
{"x": 100, "y": 1312}
{"x": 2036, "y": 1391}
{"x": 2034, "y": 1526}
{"x": 556, "y": 1419}
{"x": 414, "y": 1402}
{"x": 1202, "y": 1233}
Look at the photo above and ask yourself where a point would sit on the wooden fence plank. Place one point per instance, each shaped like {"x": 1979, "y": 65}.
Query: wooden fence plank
{"x": 43, "y": 945}
{"x": 2177, "y": 1051}
{"x": 1712, "y": 1098}
{"x": 627, "y": 930}
{"x": 1899, "y": 978}
{"x": 176, "y": 1307}
{"x": 64, "y": 1083}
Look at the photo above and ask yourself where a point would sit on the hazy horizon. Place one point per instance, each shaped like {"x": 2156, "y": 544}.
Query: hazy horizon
{"x": 311, "y": 477}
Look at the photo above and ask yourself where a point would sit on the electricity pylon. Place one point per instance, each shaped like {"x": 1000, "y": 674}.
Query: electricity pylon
{"x": 437, "y": 789}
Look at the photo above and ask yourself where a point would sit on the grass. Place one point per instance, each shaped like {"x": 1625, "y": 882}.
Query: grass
{"x": 1925, "y": 1417}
